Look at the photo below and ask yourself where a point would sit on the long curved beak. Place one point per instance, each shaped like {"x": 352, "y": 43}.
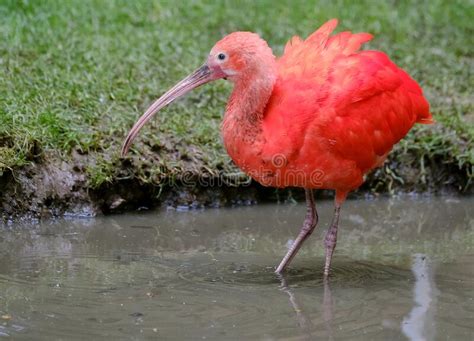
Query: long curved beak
{"x": 199, "y": 77}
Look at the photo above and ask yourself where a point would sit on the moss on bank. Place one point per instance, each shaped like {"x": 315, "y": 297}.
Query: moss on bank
{"x": 76, "y": 75}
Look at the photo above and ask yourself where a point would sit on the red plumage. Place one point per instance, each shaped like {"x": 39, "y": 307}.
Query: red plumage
{"x": 334, "y": 113}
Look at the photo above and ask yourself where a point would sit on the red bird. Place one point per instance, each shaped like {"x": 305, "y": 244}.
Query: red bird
{"x": 319, "y": 117}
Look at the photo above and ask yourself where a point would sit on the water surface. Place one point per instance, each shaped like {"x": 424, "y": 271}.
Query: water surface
{"x": 403, "y": 269}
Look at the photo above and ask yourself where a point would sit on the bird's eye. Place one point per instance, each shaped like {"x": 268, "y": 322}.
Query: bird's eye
{"x": 221, "y": 56}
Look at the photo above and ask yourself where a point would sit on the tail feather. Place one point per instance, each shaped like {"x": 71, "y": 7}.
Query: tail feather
{"x": 322, "y": 34}
{"x": 294, "y": 42}
{"x": 322, "y": 45}
{"x": 426, "y": 120}
{"x": 423, "y": 115}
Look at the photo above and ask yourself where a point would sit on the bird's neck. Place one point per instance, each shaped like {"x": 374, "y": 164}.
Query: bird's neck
{"x": 246, "y": 106}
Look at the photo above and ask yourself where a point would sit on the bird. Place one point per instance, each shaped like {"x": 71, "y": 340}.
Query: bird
{"x": 321, "y": 116}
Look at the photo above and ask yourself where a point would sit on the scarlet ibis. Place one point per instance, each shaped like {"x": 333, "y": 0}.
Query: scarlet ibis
{"x": 321, "y": 116}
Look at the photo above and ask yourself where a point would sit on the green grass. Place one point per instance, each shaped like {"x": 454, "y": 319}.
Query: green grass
{"x": 75, "y": 75}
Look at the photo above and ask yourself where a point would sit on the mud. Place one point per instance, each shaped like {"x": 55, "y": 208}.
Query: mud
{"x": 55, "y": 188}
{"x": 52, "y": 187}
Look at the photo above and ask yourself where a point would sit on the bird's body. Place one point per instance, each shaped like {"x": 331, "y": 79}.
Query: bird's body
{"x": 320, "y": 117}
{"x": 333, "y": 115}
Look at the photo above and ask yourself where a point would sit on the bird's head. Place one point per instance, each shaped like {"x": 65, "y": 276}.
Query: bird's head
{"x": 236, "y": 57}
{"x": 239, "y": 55}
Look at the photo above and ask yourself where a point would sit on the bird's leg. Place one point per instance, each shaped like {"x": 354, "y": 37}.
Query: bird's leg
{"x": 331, "y": 238}
{"x": 309, "y": 224}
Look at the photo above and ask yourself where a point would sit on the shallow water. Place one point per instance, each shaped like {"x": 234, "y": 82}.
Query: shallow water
{"x": 403, "y": 269}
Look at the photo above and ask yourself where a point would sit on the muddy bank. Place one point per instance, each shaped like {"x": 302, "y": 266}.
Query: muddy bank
{"x": 58, "y": 188}
{"x": 52, "y": 186}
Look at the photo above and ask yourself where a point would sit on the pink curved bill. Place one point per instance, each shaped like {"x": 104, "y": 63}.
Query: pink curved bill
{"x": 199, "y": 77}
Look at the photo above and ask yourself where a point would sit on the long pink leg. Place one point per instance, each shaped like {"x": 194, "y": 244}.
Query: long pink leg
{"x": 331, "y": 236}
{"x": 309, "y": 224}
{"x": 331, "y": 239}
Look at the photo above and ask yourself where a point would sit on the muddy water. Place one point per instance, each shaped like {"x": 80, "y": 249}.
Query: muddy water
{"x": 403, "y": 269}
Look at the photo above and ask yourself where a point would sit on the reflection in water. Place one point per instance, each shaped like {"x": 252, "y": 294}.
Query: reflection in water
{"x": 209, "y": 275}
{"x": 328, "y": 313}
{"x": 304, "y": 322}
{"x": 419, "y": 323}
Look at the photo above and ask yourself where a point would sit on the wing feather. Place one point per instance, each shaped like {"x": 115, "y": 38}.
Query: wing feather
{"x": 334, "y": 98}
